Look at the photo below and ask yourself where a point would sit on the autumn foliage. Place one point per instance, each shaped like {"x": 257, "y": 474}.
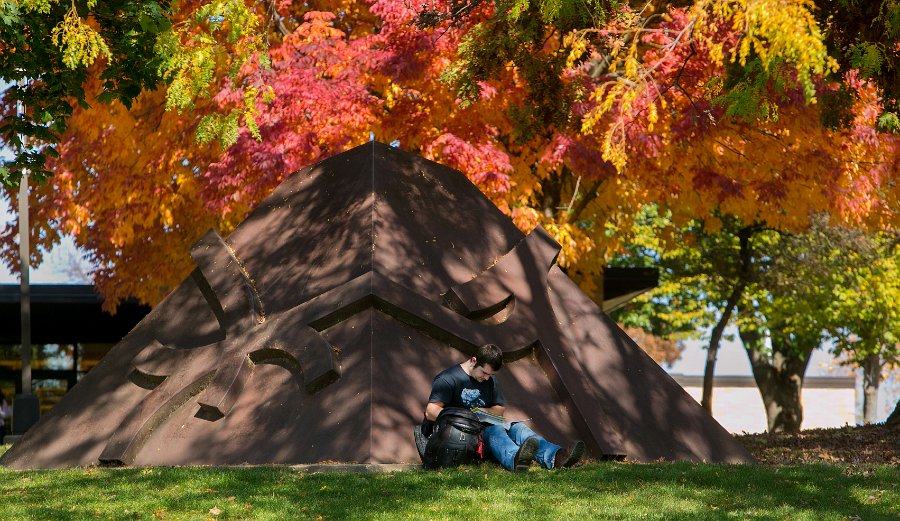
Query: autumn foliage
{"x": 708, "y": 109}
{"x": 661, "y": 350}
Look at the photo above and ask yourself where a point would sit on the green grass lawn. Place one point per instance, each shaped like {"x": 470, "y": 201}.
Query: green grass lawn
{"x": 594, "y": 491}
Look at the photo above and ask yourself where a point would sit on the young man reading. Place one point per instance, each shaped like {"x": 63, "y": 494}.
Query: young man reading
{"x": 472, "y": 384}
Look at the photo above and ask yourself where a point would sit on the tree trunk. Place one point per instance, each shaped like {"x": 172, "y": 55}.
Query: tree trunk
{"x": 714, "y": 340}
{"x": 871, "y": 379}
{"x": 779, "y": 378}
{"x": 746, "y": 257}
{"x": 550, "y": 195}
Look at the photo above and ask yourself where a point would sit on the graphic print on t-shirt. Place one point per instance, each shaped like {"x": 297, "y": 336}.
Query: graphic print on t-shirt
{"x": 472, "y": 398}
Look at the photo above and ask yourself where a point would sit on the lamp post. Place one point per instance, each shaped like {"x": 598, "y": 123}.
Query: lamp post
{"x": 24, "y": 266}
{"x": 26, "y": 407}
{"x": 25, "y": 283}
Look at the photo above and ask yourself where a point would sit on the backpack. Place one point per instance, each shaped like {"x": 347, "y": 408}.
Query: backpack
{"x": 456, "y": 439}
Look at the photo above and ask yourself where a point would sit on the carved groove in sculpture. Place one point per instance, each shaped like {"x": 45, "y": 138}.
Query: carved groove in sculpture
{"x": 500, "y": 283}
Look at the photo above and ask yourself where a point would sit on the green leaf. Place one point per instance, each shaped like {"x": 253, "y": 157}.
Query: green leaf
{"x": 103, "y": 97}
{"x": 889, "y": 122}
{"x": 9, "y": 14}
{"x": 867, "y": 57}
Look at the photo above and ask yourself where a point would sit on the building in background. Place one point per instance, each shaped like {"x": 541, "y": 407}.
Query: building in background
{"x": 70, "y": 334}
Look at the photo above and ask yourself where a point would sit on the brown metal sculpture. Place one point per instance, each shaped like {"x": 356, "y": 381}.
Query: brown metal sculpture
{"x": 313, "y": 332}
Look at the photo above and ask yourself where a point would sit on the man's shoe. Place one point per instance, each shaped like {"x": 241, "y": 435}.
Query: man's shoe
{"x": 568, "y": 456}
{"x": 526, "y": 454}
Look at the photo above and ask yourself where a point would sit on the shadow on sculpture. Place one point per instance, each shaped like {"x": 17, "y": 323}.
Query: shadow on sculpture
{"x": 312, "y": 334}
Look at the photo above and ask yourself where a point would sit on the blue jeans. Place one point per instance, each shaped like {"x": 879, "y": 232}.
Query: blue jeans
{"x": 503, "y": 445}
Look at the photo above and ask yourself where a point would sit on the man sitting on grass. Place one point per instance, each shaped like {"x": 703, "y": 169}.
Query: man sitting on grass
{"x": 472, "y": 384}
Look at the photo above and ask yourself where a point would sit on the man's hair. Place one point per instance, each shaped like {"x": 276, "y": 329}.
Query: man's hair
{"x": 489, "y": 354}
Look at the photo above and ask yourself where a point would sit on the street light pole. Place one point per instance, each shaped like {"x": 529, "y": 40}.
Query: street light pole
{"x": 24, "y": 265}
{"x": 26, "y": 406}
{"x": 25, "y": 286}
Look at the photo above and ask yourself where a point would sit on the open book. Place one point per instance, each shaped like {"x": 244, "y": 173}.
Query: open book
{"x": 493, "y": 419}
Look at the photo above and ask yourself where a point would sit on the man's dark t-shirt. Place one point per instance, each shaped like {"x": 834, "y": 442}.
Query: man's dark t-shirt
{"x": 454, "y": 388}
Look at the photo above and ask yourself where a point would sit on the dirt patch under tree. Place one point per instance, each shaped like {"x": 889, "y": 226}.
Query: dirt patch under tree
{"x": 878, "y": 444}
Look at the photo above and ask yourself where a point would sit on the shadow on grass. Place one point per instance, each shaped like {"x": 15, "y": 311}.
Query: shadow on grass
{"x": 598, "y": 491}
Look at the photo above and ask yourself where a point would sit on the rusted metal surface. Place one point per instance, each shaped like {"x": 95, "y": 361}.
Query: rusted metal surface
{"x": 312, "y": 333}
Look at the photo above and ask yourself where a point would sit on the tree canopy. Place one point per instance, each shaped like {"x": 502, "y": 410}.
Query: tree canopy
{"x": 51, "y": 49}
{"x": 570, "y": 115}
{"x": 49, "y": 46}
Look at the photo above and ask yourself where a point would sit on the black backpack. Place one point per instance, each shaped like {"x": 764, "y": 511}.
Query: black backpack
{"x": 456, "y": 439}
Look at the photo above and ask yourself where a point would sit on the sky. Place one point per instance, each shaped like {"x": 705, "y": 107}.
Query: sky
{"x": 53, "y": 269}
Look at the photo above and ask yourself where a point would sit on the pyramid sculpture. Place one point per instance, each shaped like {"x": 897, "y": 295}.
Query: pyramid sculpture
{"x": 313, "y": 331}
